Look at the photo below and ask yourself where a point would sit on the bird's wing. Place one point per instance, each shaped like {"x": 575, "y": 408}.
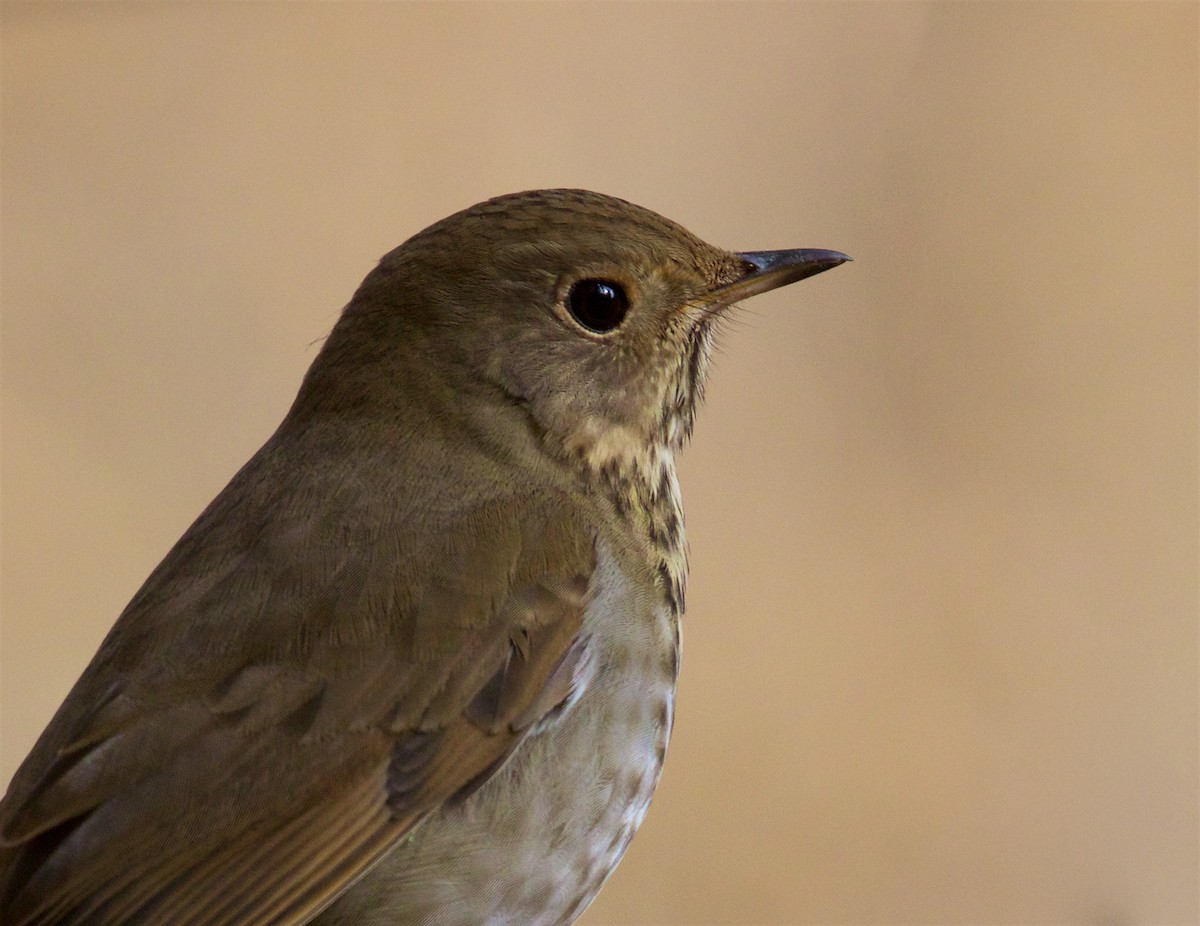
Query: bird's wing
{"x": 259, "y": 728}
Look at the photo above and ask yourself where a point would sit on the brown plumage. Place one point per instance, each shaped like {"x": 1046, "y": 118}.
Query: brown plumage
{"x": 416, "y": 663}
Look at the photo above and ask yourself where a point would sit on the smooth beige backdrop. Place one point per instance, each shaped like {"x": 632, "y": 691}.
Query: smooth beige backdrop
{"x": 941, "y": 651}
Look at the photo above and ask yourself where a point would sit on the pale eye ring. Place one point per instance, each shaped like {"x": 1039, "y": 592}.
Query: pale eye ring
{"x": 600, "y": 306}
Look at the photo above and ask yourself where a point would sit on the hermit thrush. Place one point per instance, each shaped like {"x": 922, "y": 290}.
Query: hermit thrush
{"x": 416, "y": 663}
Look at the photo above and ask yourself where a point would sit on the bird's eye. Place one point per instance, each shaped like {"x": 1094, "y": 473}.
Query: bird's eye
{"x": 599, "y": 305}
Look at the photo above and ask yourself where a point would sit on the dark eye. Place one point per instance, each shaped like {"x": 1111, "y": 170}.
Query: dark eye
{"x": 598, "y": 305}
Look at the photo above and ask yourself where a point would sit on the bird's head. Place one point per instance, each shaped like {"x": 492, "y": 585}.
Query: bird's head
{"x": 594, "y": 315}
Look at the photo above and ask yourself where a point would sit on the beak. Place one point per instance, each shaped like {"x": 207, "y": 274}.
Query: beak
{"x": 767, "y": 270}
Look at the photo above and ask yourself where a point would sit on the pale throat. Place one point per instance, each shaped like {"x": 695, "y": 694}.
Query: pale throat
{"x": 637, "y": 477}
{"x": 633, "y": 462}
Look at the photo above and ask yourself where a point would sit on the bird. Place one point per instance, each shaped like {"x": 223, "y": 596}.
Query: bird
{"x": 417, "y": 662}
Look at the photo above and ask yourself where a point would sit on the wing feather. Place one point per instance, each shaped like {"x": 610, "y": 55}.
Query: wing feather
{"x": 369, "y": 708}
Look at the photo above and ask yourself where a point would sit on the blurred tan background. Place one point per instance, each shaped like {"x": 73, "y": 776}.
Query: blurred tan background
{"x": 941, "y": 653}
